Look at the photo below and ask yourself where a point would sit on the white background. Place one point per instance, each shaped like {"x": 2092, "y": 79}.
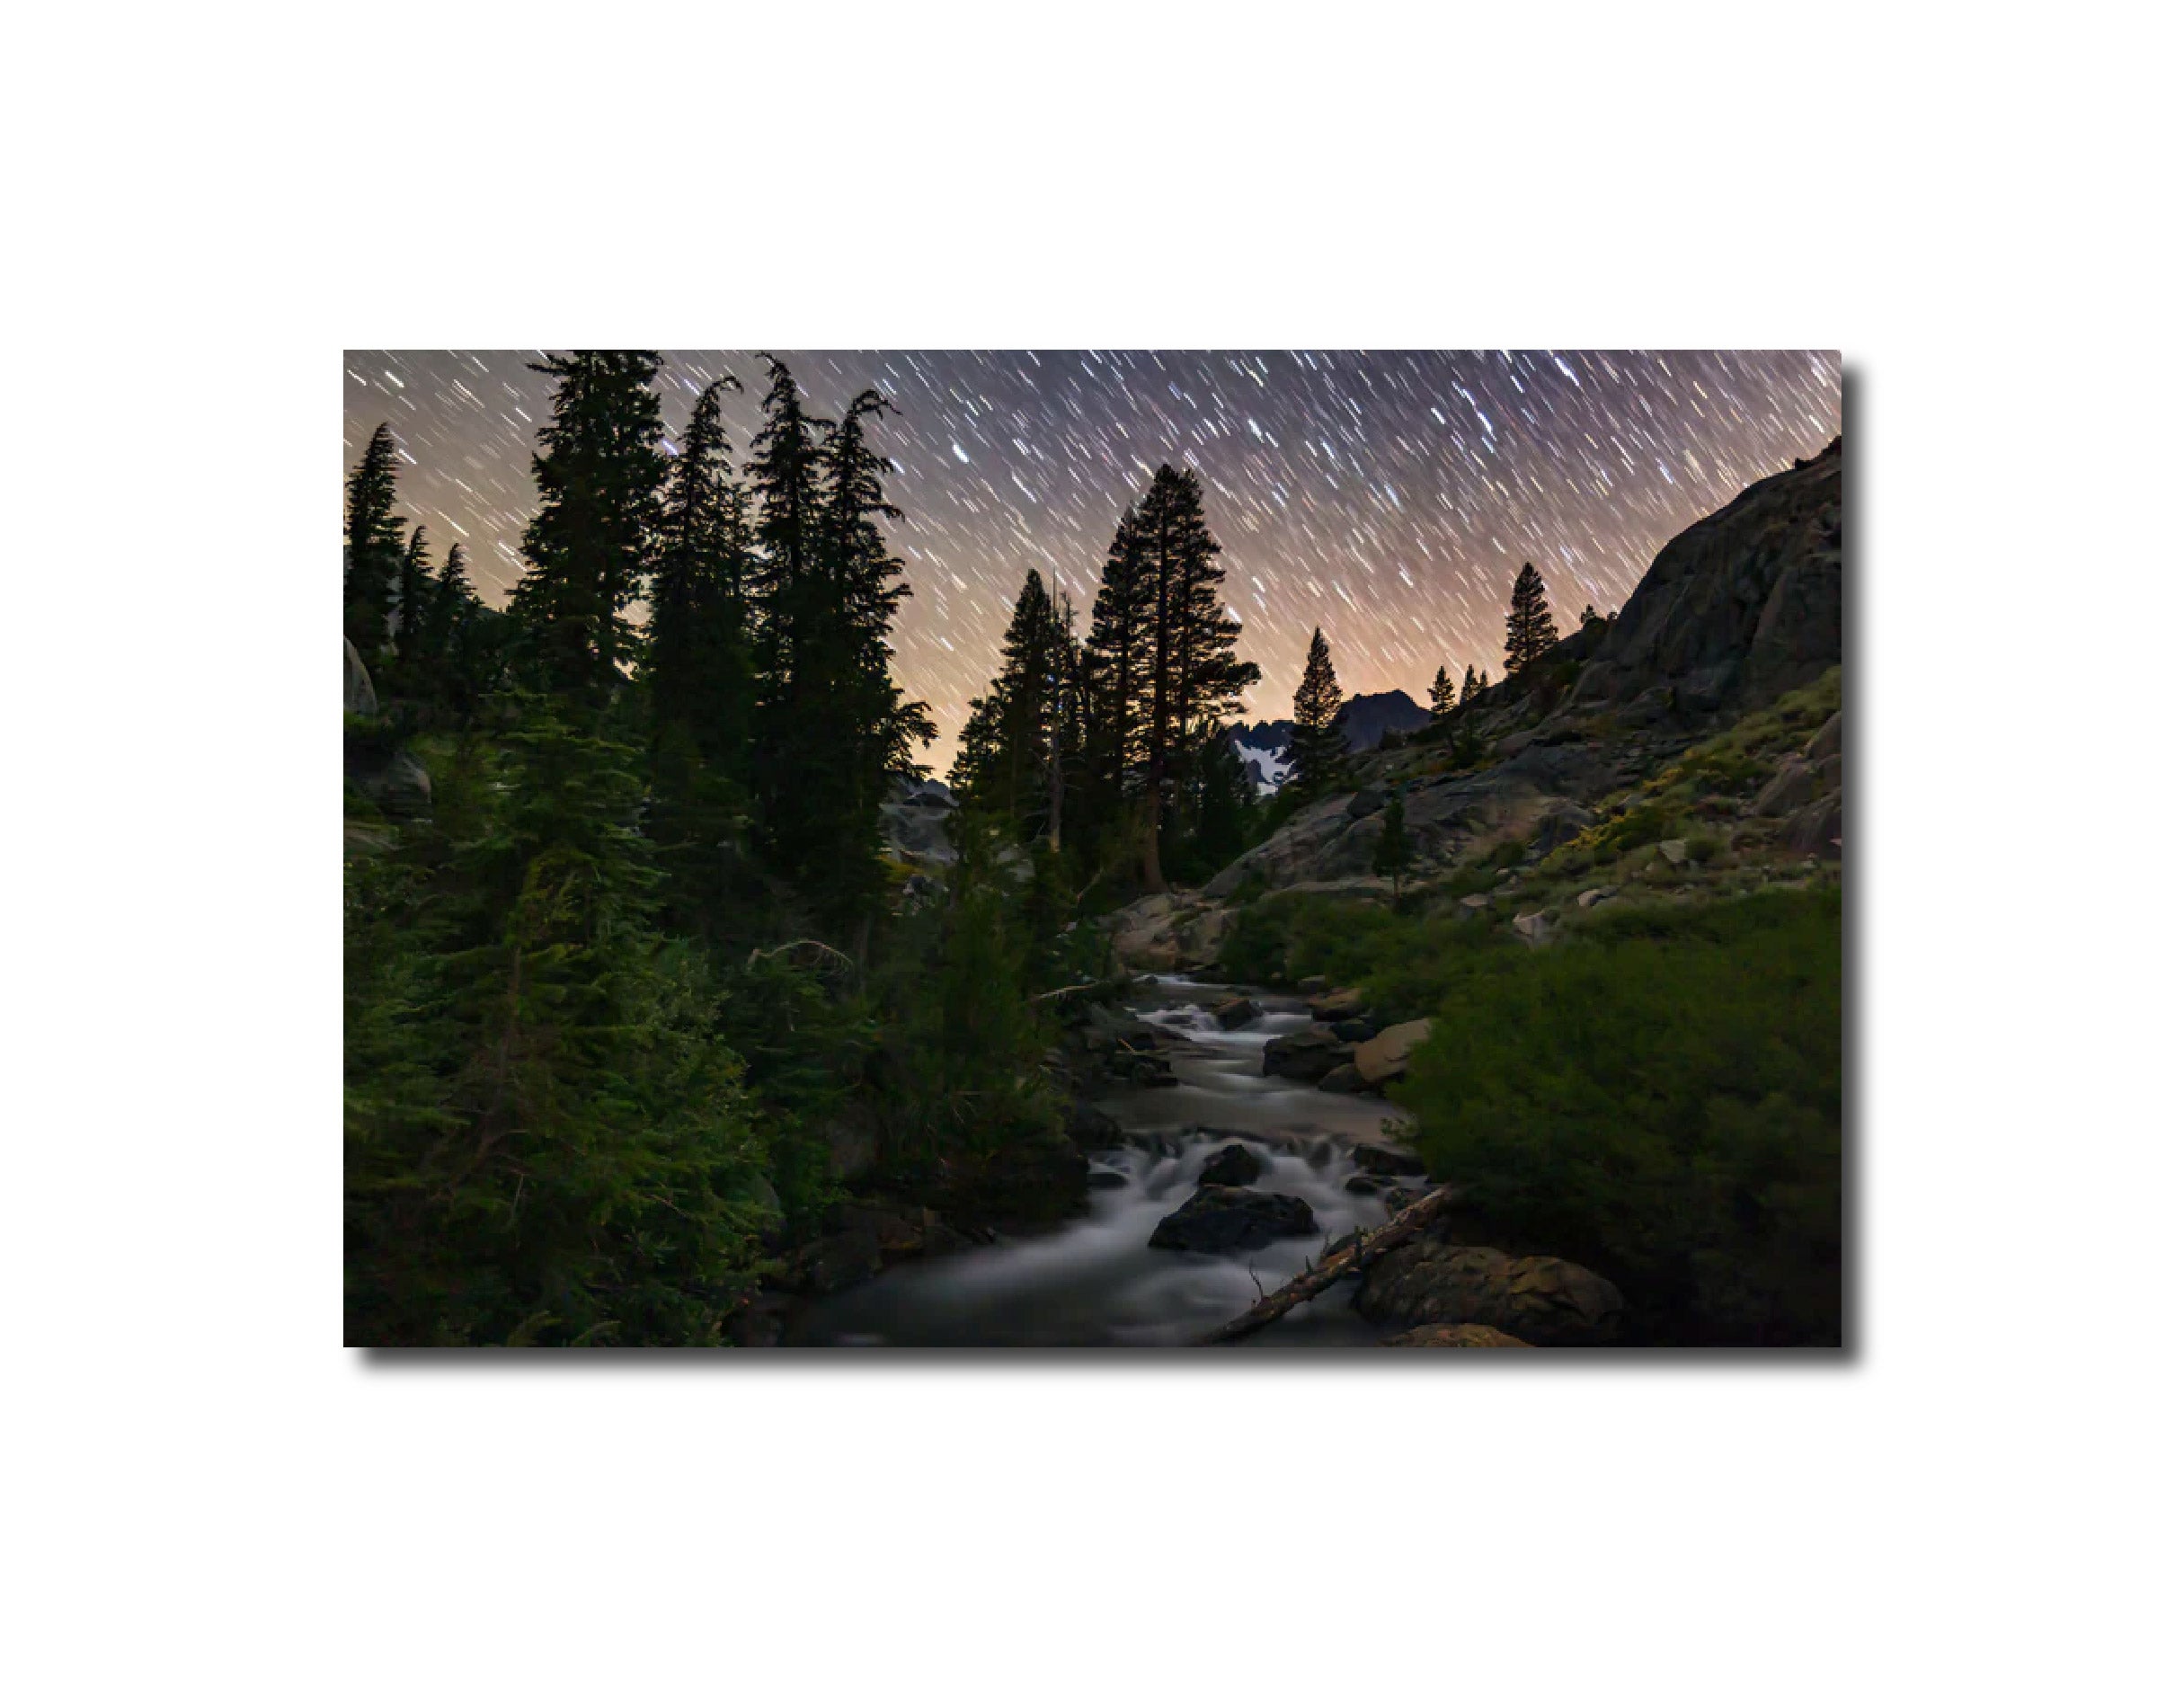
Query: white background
{"x": 204, "y": 1491}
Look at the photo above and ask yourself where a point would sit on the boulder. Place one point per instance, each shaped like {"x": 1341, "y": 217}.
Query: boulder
{"x": 1385, "y": 1161}
{"x": 358, "y": 697}
{"x": 1827, "y": 740}
{"x": 917, "y": 833}
{"x": 1788, "y": 790}
{"x": 1308, "y": 1055}
{"x": 1220, "y": 1218}
{"x": 1595, "y": 897}
{"x": 1816, "y": 829}
{"x": 1674, "y": 850}
{"x": 1355, "y": 1030}
{"x": 1453, "y": 1338}
{"x": 1472, "y": 904}
{"x": 1368, "y": 800}
{"x": 1090, "y": 1128}
{"x": 1533, "y": 928}
{"x": 1563, "y": 823}
{"x": 401, "y": 788}
{"x": 1314, "y": 985}
{"x": 1106, "y": 1178}
{"x": 1345, "y": 1081}
{"x": 1387, "y": 1057}
{"x": 1340, "y": 1004}
{"x": 1536, "y": 1298}
{"x": 1231, "y": 1164}
{"x": 1230, "y": 1015}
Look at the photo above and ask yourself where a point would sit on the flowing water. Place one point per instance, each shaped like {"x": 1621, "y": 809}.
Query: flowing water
{"x": 1094, "y": 1281}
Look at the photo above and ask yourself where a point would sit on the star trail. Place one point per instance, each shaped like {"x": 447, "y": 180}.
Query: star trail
{"x": 1388, "y": 498}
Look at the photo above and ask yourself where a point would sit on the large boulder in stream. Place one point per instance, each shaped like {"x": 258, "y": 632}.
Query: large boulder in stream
{"x": 1220, "y": 1218}
{"x": 1232, "y": 1164}
{"x": 1230, "y": 1015}
{"x": 1534, "y": 1297}
{"x": 1307, "y": 1056}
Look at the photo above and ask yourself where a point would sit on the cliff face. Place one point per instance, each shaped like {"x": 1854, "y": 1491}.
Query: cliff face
{"x": 1743, "y": 605}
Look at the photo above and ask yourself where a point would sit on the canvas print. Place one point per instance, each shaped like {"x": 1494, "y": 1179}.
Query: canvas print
{"x": 1197, "y": 850}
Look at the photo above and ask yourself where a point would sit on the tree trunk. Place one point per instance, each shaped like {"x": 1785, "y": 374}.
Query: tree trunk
{"x": 1355, "y": 1258}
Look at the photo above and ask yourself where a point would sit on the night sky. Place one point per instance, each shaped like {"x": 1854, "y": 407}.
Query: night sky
{"x": 1388, "y": 498}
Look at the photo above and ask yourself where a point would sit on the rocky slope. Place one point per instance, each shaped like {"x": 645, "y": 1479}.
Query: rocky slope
{"x": 1710, "y": 704}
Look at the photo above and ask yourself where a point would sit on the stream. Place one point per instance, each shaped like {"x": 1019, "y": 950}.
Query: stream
{"x": 1094, "y": 1281}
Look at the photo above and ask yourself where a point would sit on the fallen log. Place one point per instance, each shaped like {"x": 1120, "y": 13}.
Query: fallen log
{"x": 1354, "y": 1258}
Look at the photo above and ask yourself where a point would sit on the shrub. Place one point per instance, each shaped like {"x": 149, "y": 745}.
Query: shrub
{"x": 1658, "y": 1097}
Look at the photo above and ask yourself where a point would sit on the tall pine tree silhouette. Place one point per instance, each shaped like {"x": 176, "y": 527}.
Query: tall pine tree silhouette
{"x": 1316, "y": 748}
{"x": 696, "y": 652}
{"x": 835, "y": 729}
{"x": 1473, "y": 682}
{"x": 1442, "y": 697}
{"x": 590, "y": 548}
{"x": 1117, "y": 659}
{"x": 412, "y": 585}
{"x": 1530, "y": 629}
{"x": 1010, "y": 757}
{"x": 372, "y": 532}
{"x": 1162, "y": 652}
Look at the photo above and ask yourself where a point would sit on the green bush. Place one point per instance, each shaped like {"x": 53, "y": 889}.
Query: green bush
{"x": 1659, "y": 1097}
{"x": 1403, "y": 960}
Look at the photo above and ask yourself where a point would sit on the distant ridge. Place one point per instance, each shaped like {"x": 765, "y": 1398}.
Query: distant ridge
{"x": 1365, "y": 719}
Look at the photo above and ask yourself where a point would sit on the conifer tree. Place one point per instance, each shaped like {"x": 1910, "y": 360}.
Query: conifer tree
{"x": 1316, "y": 748}
{"x": 836, "y": 729}
{"x": 1162, "y": 650}
{"x": 1117, "y": 650}
{"x": 1473, "y": 682}
{"x": 1530, "y": 629}
{"x": 696, "y": 649}
{"x": 1442, "y": 697}
{"x": 1010, "y": 770}
{"x": 1588, "y": 616}
{"x": 413, "y": 584}
{"x": 591, "y": 546}
{"x": 1392, "y": 853}
{"x": 446, "y": 637}
{"x": 372, "y": 532}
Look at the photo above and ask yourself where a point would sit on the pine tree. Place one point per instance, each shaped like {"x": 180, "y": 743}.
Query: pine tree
{"x": 698, "y": 664}
{"x": 372, "y": 533}
{"x": 591, "y": 546}
{"x": 1195, "y": 674}
{"x": 1010, "y": 771}
{"x": 1162, "y": 651}
{"x": 1317, "y": 751}
{"x": 447, "y": 641}
{"x": 1473, "y": 682}
{"x": 413, "y": 583}
{"x": 1530, "y": 629}
{"x": 1442, "y": 697}
{"x": 1588, "y": 616}
{"x": 836, "y": 730}
{"x": 1118, "y": 652}
{"x": 1392, "y": 853}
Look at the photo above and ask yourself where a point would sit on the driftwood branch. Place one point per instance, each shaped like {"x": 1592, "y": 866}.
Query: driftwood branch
{"x": 1354, "y": 1258}
{"x": 1068, "y": 989}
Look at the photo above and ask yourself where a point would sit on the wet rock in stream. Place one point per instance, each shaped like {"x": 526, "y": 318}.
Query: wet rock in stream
{"x": 1220, "y": 1219}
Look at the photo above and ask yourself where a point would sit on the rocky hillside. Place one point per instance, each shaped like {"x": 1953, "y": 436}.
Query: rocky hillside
{"x": 1710, "y": 707}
